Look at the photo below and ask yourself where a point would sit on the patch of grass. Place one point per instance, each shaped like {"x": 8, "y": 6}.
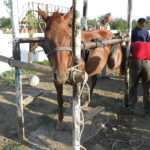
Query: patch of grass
{"x": 7, "y": 74}
{"x": 45, "y": 62}
{"x": 7, "y": 77}
{"x": 15, "y": 147}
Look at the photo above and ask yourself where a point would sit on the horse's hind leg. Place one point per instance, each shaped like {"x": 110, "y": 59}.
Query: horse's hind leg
{"x": 59, "y": 89}
{"x": 93, "y": 83}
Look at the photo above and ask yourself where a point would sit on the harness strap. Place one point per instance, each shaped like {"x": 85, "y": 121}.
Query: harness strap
{"x": 59, "y": 49}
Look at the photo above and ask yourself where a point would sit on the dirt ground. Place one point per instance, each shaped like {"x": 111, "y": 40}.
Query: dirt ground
{"x": 112, "y": 129}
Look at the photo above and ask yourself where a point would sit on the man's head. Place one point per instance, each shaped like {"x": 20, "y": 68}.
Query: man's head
{"x": 108, "y": 17}
{"x": 141, "y": 23}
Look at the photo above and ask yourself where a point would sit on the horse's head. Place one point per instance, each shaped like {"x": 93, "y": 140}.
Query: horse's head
{"x": 58, "y": 37}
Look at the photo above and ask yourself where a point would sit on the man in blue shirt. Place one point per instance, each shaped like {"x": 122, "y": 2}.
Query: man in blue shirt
{"x": 139, "y": 68}
{"x": 140, "y": 33}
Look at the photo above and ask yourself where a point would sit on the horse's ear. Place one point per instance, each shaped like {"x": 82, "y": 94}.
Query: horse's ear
{"x": 43, "y": 14}
{"x": 69, "y": 15}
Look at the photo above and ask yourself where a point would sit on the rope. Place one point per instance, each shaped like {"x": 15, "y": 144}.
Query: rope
{"x": 82, "y": 121}
{"x": 73, "y": 69}
{"x": 9, "y": 61}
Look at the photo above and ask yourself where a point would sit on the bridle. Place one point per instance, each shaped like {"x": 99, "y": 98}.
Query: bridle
{"x": 54, "y": 50}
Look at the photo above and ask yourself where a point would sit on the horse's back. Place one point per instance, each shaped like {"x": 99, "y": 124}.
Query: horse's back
{"x": 87, "y": 36}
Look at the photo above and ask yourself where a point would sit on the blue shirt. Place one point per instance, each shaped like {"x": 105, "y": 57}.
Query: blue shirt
{"x": 140, "y": 35}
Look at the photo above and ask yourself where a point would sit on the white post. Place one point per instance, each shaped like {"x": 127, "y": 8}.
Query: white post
{"x": 14, "y": 13}
{"x": 129, "y": 30}
{"x": 85, "y": 8}
{"x": 129, "y": 25}
{"x": 76, "y": 87}
{"x": 16, "y": 55}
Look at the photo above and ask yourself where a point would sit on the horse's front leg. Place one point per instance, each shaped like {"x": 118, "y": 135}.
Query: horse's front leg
{"x": 59, "y": 89}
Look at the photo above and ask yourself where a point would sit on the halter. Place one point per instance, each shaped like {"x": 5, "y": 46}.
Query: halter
{"x": 54, "y": 50}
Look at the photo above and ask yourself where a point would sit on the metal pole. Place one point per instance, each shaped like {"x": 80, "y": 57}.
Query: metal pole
{"x": 18, "y": 79}
{"x": 129, "y": 30}
{"x": 76, "y": 87}
{"x": 85, "y": 8}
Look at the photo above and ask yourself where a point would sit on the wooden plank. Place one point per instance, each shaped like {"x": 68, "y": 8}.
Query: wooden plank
{"x": 84, "y": 45}
{"x": 93, "y": 112}
{"x": 32, "y": 97}
{"x": 31, "y": 40}
{"x": 25, "y": 65}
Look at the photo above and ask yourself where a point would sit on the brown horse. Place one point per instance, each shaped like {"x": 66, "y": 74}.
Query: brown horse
{"x": 58, "y": 37}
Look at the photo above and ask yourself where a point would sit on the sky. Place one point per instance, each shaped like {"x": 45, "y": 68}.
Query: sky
{"x": 97, "y": 8}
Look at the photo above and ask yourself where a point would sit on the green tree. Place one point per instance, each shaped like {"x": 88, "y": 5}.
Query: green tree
{"x": 134, "y": 23}
{"x": 91, "y": 23}
{"x": 118, "y": 24}
{"x": 31, "y": 20}
{"x": 5, "y": 23}
{"x": 100, "y": 18}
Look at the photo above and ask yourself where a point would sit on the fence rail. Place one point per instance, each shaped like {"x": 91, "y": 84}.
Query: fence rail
{"x": 84, "y": 45}
{"x": 25, "y": 65}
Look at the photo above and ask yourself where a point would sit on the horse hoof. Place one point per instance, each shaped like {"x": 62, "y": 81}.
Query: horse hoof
{"x": 60, "y": 126}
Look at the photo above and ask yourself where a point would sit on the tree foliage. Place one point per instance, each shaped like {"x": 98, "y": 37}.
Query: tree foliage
{"x": 91, "y": 23}
{"x": 31, "y": 19}
{"x": 118, "y": 24}
{"x": 5, "y": 23}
